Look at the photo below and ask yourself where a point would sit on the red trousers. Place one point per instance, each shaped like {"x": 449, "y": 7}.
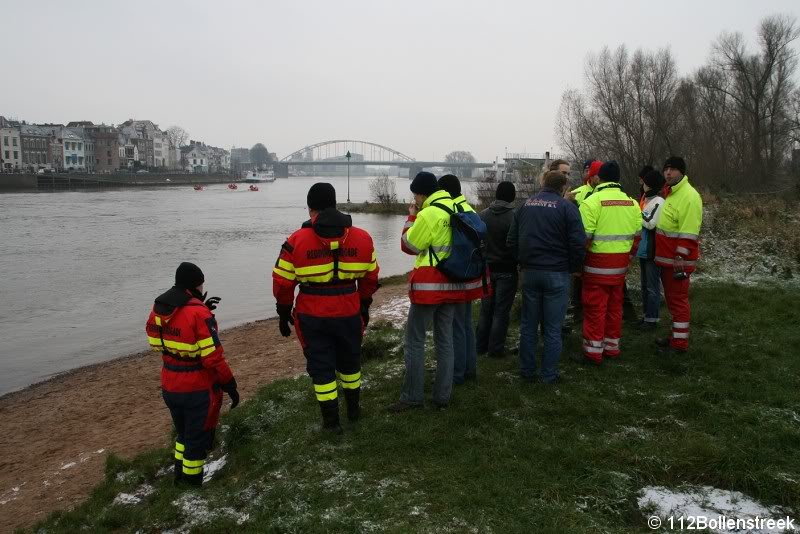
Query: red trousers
{"x": 676, "y": 293}
{"x": 602, "y": 319}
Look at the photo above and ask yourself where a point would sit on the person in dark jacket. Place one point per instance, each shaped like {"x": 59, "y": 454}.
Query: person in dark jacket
{"x": 548, "y": 240}
{"x": 496, "y": 308}
{"x": 651, "y": 203}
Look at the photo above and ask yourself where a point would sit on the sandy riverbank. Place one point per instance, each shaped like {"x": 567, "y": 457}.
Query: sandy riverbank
{"x": 55, "y": 435}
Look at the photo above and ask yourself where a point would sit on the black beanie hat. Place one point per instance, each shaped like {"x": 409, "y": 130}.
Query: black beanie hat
{"x": 654, "y": 180}
{"x": 321, "y": 195}
{"x": 450, "y": 183}
{"x": 587, "y": 164}
{"x": 609, "y": 171}
{"x": 506, "y": 192}
{"x": 424, "y": 183}
{"x": 676, "y": 162}
{"x": 188, "y": 276}
{"x": 644, "y": 170}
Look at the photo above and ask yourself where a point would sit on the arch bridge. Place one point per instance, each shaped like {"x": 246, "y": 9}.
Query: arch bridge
{"x": 332, "y": 154}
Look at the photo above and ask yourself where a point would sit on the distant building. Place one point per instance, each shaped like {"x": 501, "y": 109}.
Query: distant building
{"x": 195, "y": 158}
{"x": 144, "y": 134}
{"x": 128, "y": 152}
{"x": 74, "y": 150}
{"x": 10, "y": 147}
{"x": 35, "y": 141}
{"x": 106, "y": 147}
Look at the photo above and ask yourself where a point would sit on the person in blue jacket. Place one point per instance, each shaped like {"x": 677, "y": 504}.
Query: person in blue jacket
{"x": 549, "y": 243}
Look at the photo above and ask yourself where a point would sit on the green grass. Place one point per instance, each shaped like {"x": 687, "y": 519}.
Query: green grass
{"x": 506, "y": 456}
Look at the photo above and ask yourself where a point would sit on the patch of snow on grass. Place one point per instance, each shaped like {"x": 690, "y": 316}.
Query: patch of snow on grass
{"x": 196, "y": 511}
{"x": 708, "y": 502}
{"x": 394, "y": 311}
{"x": 213, "y": 466}
{"x": 134, "y": 498}
{"x": 126, "y": 476}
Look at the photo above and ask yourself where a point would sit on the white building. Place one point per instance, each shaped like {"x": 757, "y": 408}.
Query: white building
{"x": 10, "y": 149}
{"x": 74, "y": 150}
{"x": 194, "y": 158}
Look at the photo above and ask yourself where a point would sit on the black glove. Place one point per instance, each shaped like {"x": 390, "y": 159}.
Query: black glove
{"x": 365, "y": 304}
{"x": 212, "y": 302}
{"x": 284, "y": 319}
{"x": 232, "y": 391}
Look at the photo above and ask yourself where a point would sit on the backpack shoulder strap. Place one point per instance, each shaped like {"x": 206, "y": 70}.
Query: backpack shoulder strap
{"x": 443, "y": 207}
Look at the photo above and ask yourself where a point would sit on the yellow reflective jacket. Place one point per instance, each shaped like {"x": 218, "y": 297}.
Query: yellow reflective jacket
{"x": 582, "y": 192}
{"x": 678, "y": 229}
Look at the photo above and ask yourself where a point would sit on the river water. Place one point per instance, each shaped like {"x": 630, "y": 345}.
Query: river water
{"x": 80, "y": 270}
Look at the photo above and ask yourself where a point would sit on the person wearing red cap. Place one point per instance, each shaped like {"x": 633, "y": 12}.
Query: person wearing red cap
{"x": 579, "y": 194}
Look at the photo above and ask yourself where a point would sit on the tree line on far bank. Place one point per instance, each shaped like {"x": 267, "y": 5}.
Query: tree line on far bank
{"x": 736, "y": 119}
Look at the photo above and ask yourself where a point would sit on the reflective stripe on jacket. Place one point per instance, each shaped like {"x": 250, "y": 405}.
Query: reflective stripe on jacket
{"x": 611, "y": 220}
{"x": 678, "y": 229}
{"x": 430, "y": 229}
{"x": 185, "y": 333}
{"x": 335, "y": 272}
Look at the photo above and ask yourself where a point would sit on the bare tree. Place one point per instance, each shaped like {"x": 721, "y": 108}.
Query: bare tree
{"x": 259, "y": 155}
{"x": 176, "y": 136}
{"x": 460, "y": 156}
{"x": 382, "y": 190}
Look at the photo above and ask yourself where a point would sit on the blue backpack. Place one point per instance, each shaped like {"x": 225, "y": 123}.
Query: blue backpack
{"x": 466, "y": 260}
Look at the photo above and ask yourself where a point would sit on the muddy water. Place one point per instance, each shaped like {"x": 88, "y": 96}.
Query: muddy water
{"x": 79, "y": 270}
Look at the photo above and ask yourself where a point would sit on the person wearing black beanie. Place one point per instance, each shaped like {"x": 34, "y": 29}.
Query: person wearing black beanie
{"x": 184, "y": 331}
{"x": 611, "y": 220}
{"x": 320, "y": 196}
{"x": 678, "y": 250}
{"x": 335, "y": 265}
{"x": 424, "y": 183}
{"x": 495, "y": 312}
{"x": 427, "y": 235}
{"x": 465, "y": 356}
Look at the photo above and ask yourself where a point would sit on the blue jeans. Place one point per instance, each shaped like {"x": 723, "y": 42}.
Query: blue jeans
{"x": 544, "y": 299}
{"x": 651, "y": 290}
{"x": 465, "y": 357}
{"x": 495, "y": 313}
{"x": 419, "y": 316}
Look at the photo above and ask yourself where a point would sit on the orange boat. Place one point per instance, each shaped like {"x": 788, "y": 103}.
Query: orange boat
{"x": 199, "y": 187}
{"x": 253, "y": 188}
{"x": 233, "y": 186}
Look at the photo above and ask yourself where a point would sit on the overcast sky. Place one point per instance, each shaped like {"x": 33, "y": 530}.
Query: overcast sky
{"x": 423, "y": 77}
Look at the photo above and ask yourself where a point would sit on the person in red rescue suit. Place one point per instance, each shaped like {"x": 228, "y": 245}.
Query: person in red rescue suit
{"x": 194, "y": 374}
{"x": 335, "y": 265}
{"x": 678, "y": 249}
{"x": 611, "y": 220}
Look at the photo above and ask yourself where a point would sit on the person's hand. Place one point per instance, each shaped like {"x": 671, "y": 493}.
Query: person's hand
{"x": 570, "y": 195}
{"x": 212, "y": 302}
{"x": 365, "y": 304}
{"x": 412, "y": 209}
{"x": 233, "y": 392}
{"x": 679, "y": 265}
{"x": 285, "y": 319}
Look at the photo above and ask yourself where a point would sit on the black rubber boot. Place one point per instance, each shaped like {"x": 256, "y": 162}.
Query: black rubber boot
{"x": 178, "y": 471}
{"x": 330, "y": 416}
{"x": 353, "y": 396}
{"x": 193, "y": 480}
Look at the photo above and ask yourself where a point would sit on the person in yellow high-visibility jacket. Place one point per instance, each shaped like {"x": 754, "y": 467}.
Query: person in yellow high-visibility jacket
{"x": 611, "y": 220}
{"x": 428, "y": 236}
{"x": 678, "y": 249}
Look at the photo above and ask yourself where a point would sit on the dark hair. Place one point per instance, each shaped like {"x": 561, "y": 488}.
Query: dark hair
{"x": 451, "y": 184}
{"x": 555, "y": 164}
{"x": 554, "y": 180}
{"x": 645, "y": 170}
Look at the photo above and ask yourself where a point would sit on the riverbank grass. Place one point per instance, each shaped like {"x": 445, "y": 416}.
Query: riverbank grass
{"x": 506, "y": 456}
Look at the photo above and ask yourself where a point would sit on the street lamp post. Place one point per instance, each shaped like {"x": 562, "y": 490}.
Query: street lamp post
{"x": 348, "y": 156}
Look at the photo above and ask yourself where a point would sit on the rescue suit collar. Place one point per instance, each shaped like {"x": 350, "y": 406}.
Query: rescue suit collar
{"x": 329, "y": 222}
{"x": 436, "y": 195}
{"x": 607, "y": 185}
{"x": 678, "y": 185}
{"x": 175, "y": 297}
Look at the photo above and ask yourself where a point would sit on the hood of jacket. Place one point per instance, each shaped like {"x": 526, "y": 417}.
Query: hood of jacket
{"x": 168, "y": 302}
{"x": 329, "y": 223}
{"x": 500, "y": 206}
